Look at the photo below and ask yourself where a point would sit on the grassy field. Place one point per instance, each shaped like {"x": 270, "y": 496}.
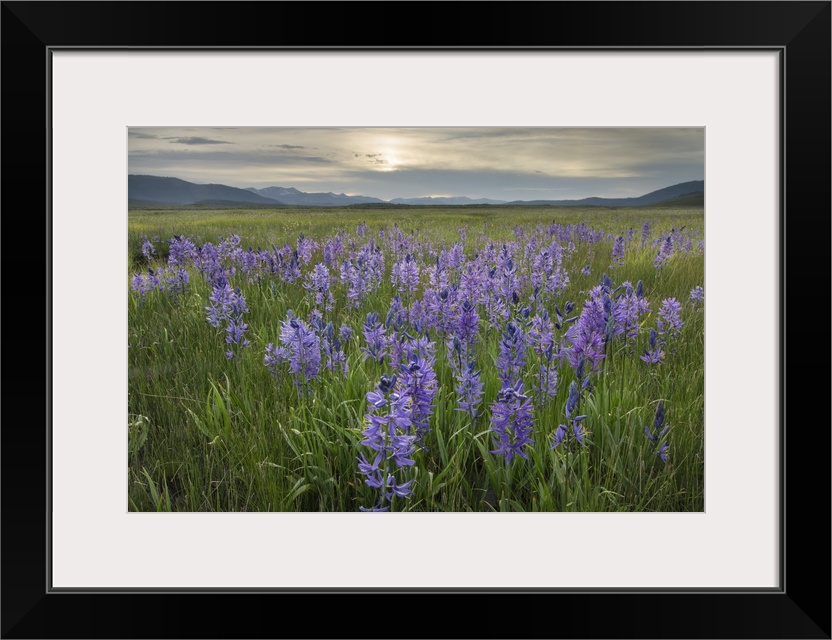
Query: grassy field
{"x": 209, "y": 432}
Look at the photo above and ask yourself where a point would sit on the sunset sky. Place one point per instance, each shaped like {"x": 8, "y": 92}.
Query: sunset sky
{"x": 514, "y": 163}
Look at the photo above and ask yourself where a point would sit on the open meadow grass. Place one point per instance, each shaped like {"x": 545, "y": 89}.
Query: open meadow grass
{"x": 416, "y": 359}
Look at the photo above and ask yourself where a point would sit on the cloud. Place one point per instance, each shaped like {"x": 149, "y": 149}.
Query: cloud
{"x": 493, "y": 162}
{"x": 197, "y": 140}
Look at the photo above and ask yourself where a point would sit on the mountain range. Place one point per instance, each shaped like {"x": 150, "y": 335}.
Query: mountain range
{"x": 154, "y": 191}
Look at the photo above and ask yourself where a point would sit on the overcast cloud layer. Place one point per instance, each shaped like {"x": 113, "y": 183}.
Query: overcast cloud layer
{"x": 516, "y": 163}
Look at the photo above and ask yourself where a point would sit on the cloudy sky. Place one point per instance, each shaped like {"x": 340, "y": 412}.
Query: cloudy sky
{"x": 515, "y": 163}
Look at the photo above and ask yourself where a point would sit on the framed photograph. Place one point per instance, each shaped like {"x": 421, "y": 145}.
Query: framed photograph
{"x": 99, "y": 95}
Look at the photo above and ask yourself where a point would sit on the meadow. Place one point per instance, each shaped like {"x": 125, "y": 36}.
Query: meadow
{"x": 416, "y": 359}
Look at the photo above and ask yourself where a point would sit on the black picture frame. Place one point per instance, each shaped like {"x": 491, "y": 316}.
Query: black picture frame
{"x": 799, "y": 608}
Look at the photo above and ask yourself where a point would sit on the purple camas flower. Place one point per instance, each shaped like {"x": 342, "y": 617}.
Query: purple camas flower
{"x": 509, "y": 285}
{"x": 627, "y": 311}
{"x": 177, "y": 282}
{"x": 227, "y": 307}
{"x": 234, "y": 332}
{"x": 511, "y": 422}
{"x": 559, "y": 435}
{"x": 305, "y": 248}
{"x": 547, "y": 379}
{"x": 356, "y": 286}
{"x": 512, "y": 356}
{"x": 396, "y": 315}
{"x": 302, "y": 348}
{"x": 542, "y": 266}
{"x": 669, "y": 322}
{"x": 572, "y": 400}
{"x": 467, "y": 327}
{"x": 657, "y": 433}
{"x": 497, "y": 309}
{"x": 141, "y": 286}
{"x": 345, "y": 333}
{"x": 587, "y": 340}
{"x": 336, "y": 359}
{"x": 697, "y": 294}
{"x": 645, "y": 232}
{"x": 473, "y": 281}
{"x": 618, "y": 252}
{"x": 586, "y": 270}
{"x": 375, "y": 338}
{"x": 405, "y": 275}
{"x": 274, "y": 356}
{"x": 386, "y": 433}
{"x": 148, "y": 250}
{"x": 664, "y": 253}
{"x": 654, "y": 355}
{"x": 318, "y": 282}
{"x": 658, "y": 421}
{"x": 172, "y": 281}
{"x": 577, "y": 428}
{"x": 558, "y": 281}
{"x": 182, "y": 251}
{"x": 417, "y": 384}
{"x": 469, "y": 389}
{"x": 541, "y": 333}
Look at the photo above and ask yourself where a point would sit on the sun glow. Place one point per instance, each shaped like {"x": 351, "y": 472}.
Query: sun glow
{"x": 390, "y": 163}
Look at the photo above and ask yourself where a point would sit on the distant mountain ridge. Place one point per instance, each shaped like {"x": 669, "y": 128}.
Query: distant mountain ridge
{"x": 175, "y": 191}
{"x": 683, "y": 189}
{"x": 289, "y": 195}
{"x": 445, "y": 200}
{"x": 146, "y": 190}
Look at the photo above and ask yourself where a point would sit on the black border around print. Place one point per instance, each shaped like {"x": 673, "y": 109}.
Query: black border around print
{"x": 799, "y": 31}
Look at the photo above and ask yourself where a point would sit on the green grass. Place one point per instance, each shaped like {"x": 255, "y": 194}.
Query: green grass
{"x": 209, "y": 434}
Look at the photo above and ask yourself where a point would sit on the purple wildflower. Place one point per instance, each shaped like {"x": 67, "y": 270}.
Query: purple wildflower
{"x": 470, "y": 390}
{"x": 405, "y": 275}
{"x": 654, "y": 355}
{"x": 387, "y": 434}
{"x": 511, "y": 422}
{"x": 345, "y": 333}
{"x": 234, "y": 334}
{"x": 374, "y": 335}
{"x": 148, "y": 250}
{"x": 182, "y": 251}
{"x": 558, "y": 436}
{"x": 335, "y": 356}
{"x": 577, "y": 428}
{"x": 227, "y": 307}
{"x": 274, "y": 356}
{"x": 512, "y": 356}
{"x": 697, "y": 294}
{"x": 141, "y": 286}
{"x": 618, "y": 253}
{"x": 418, "y": 385}
{"x": 467, "y": 327}
{"x": 664, "y": 253}
{"x": 587, "y": 343}
{"x": 654, "y": 435}
{"x": 669, "y": 322}
{"x": 302, "y": 348}
{"x": 318, "y": 282}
